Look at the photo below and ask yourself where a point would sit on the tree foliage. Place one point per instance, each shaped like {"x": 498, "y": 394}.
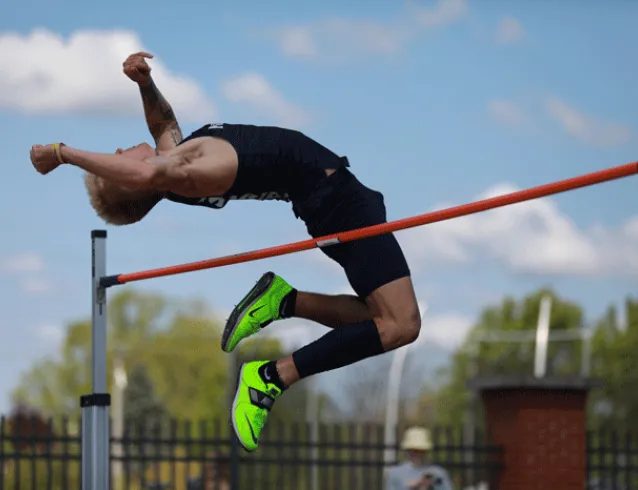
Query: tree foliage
{"x": 171, "y": 353}
{"x": 172, "y": 357}
{"x": 613, "y": 347}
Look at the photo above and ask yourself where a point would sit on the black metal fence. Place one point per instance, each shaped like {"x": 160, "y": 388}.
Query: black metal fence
{"x": 612, "y": 460}
{"x": 46, "y": 455}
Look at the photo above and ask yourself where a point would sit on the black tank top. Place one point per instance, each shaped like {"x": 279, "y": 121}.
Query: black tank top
{"x": 274, "y": 163}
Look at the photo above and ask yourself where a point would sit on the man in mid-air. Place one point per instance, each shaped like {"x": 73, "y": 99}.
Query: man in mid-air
{"x": 222, "y": 162}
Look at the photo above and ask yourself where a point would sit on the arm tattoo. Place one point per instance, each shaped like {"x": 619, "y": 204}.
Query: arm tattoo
{"x": 176, "y": 134}
{"x": 159, "y": 113}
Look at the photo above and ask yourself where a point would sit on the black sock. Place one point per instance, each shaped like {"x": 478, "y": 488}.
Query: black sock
{"x": 269, "y": 374}
{"x": 338, "y": 348}
{"x": 287, "y": 307}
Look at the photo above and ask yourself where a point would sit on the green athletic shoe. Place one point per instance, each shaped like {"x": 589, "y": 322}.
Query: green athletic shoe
{"x": 253, "y": 401}
{"x": 259, "y": 308}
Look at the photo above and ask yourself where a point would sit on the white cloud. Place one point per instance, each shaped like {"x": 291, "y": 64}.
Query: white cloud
{"x": 27, "y": 268}
{"x": 253, "y": 90}
{"x": 297, "y": 42}
{"x": 585, "y": 128}
{"x": 506, "y": 112}
{"x": 50, "y": 333}
{"x": 631, "y": 228}
{"x": 445, "y": 12}
{"x": 36, "y": 285}
{"x": 447, "y": 330}
{"x": 340, "y": 38}
{"x": 27, "y": 262}
{"x": 509, "y": 31}
{"x": 44, "y": 73}
{"x": 533, "y": 236}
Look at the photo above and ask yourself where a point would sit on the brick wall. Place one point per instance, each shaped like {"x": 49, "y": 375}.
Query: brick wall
{"x": 543, "y": 435}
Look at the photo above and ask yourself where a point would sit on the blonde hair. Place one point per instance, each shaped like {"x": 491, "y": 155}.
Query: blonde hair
{"x": 117, "y": 205}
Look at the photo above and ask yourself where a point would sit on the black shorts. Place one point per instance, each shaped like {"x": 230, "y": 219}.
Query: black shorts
{"x": 338, "y": 203}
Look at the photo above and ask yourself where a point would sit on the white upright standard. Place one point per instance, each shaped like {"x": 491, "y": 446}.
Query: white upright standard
{"x": 95, "y": 407}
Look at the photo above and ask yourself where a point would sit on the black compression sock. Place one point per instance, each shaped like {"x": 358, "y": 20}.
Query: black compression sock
{"x": 287, "y": 307}
{"x": 268, "y": 372}
{"x": 338, "y": 348}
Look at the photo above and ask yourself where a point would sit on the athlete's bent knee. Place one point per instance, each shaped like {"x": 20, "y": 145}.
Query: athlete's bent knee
{"x": 411, "y": 327}
{"x": 401, "y": 330}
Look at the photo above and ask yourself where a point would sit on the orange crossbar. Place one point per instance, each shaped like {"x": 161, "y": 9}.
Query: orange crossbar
{"x": 423, "y": 219}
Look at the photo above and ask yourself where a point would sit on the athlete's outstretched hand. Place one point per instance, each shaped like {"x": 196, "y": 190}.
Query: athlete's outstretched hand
{"x": 137, "y": 69}
{"x": 44, "y": 158}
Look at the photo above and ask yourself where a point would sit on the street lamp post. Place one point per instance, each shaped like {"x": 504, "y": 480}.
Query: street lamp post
{"x": 394, "y": 397}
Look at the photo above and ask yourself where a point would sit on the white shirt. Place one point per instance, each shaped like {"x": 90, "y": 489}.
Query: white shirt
{"x": 400, "y": 476}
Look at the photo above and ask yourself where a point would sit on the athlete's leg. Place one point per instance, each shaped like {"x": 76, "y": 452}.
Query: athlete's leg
{"x": 396, "y": 322}
{"x": 377, "y": 270}
{"x": 272, "y": 299}
{"x": 331, "y": 310}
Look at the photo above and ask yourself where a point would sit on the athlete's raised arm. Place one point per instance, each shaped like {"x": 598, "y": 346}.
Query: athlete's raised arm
{"x": 160, "y": 116}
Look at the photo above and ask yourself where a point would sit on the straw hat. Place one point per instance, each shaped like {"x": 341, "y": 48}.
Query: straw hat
{"x": 416, "y": 439}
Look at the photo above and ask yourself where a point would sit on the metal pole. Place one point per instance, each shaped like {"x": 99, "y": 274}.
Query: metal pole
{"x": 119, "y": 385}
{"x": 95, "y": 407}
{"x": 586, "y": 360}
{"x": 394, "y": 398}
{"x": 542, "y": 337}
{"x": 392, "y": 404}
{"x": 312, "y": 419}
{"x": 469, "y": 429}
{"x": 233, "y": 375}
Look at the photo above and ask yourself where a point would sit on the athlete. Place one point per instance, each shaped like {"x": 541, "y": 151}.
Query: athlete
{"x": 222, "y": 162}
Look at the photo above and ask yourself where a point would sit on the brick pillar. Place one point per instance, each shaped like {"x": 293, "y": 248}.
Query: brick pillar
{"x": 540, "y": 425}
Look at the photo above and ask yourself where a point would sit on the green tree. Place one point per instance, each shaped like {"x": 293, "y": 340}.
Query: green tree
{"x": 171, "y": 353}
{"x": 55, "y": 385}
{"x": 140, "y": 400}
{"x": 188, "y": 369}
{"x": 476, "y": 358}
{"x": 144, "y": 327}
{"x": 614, "y": 347}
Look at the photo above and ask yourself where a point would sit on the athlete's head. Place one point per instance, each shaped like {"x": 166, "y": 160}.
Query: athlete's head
{"x": 118, "y": 205}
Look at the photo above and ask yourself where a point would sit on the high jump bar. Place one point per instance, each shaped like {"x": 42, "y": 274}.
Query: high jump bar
{"x": 584, "y": 180}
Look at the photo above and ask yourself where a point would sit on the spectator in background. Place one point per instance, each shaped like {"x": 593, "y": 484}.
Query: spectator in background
{"x": 417, "y": 472}
{"x": 215, "y": 475}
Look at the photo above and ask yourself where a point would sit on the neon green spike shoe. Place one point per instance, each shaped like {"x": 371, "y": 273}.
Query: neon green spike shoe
{"x": 258, "y": 309}
{"x": 252, "y": 404}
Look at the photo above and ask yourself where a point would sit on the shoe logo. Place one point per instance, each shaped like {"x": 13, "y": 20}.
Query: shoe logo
{"x": 252, "y": 433}
{"x": 266, "y": 375}
{"x": 252, "y": 313}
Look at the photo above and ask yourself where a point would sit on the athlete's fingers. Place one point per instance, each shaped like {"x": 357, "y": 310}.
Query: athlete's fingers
{"x": 144, "y": 54}
{"x": 136, "y": 57}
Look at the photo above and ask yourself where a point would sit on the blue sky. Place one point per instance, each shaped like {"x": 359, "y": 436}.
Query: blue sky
{"x": 434, "y": 103}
